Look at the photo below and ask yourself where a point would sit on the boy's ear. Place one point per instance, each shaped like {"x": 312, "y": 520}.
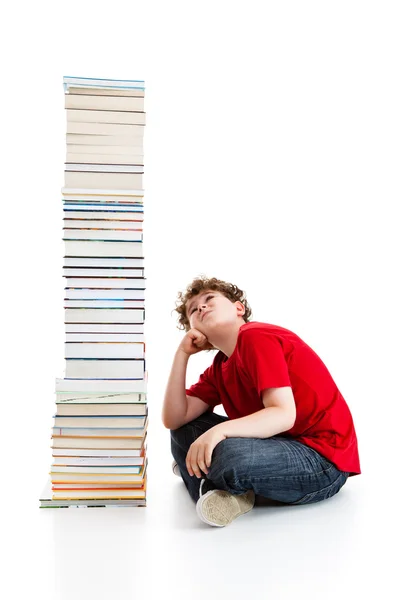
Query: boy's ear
{"x": 241, "y": 308}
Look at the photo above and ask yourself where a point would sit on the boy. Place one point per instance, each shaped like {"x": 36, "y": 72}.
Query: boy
{"x": 288, "y": 435}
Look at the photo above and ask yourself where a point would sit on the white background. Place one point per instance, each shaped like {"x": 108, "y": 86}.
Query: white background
{"x": 271, "y": 161}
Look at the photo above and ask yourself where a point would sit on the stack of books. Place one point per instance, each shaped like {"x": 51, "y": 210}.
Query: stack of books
{"x": 100, "y": 427}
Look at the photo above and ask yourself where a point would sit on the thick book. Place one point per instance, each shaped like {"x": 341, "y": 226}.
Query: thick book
{"x": 104, "y": 224}
{"x": 124, "y": 235}
{"x": 111, "y": 181}
{"x": 106, "y": 248}
{"x": 90, "y": 261}
{"x": 97, "y": 453}
{"x": 134, "y": 132}
{"x": 98, "y": 494}
{"x": 137, "y": 286}
{"x": 105, "y": 328}
{"x": 104, "y": 350}
{"x": 104, "y": 337}
{"x": 76, "y": 115}
{"x": 79, "y": 408}
{"x": 104, "y": 315}
{"x": 46, "y": 501}
{"x": 101, "y": 368}
{"x": 104, "y": 303}
{"x": 103, "y": 102}
{"x": 112, "y": 388}
{"x": 100, "y": 421}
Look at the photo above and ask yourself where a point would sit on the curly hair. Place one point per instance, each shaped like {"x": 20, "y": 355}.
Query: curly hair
{"x": 202, "y": 283}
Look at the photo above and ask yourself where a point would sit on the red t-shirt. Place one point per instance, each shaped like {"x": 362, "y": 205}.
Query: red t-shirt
{"x": 268, "y": 356}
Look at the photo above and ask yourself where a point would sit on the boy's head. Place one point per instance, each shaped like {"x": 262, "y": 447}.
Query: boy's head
{"x": 225, "y": 302}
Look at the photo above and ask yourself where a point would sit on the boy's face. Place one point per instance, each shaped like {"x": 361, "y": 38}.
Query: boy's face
{"x": 210, "y": 310}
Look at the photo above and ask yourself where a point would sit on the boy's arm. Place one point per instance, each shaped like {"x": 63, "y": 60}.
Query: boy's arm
{"x": 177, "y": 409}
{"x": 279, "y": 415}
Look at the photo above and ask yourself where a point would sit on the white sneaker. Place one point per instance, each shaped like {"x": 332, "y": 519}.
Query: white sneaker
{"x": 219, "y": 508}
{"x": 175, "y": 468}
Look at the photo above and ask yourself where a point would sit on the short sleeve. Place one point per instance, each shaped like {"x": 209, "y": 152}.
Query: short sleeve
{"x": 263, "y": 359}
{"x": 205, "y": 389}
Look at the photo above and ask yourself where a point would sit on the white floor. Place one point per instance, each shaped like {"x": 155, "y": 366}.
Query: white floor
{"x": 338, "y": 548}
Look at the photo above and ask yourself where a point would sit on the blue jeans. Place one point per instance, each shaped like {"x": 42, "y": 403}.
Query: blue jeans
{"x": 278, "y": 468}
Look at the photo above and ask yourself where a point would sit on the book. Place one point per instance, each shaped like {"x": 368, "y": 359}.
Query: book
{"x": 103, "y": 368}
{"x": 104, "y": 224}
{"x": 132, "y": 235}
{"x": 109, "y": 159}
{"x": 97, "y": 443}
{"x": 98, "y": 494}
{"x": 103, "y": 168}
{"x": 96, "y": 293}
{"x": 105, "y": 303}
{"x": 103, "y": 262}
{"x": 104, "y": 315}
{"x": 99, "y": 421}
{"x": 134, "y": 132}
{"x": 137, "y": 285}
{"x": 112, "y": 388}
{"x": 101, "y": 140}
{"x": 76, "y": 115}
{"x": 111, "y": 406}
{"x": 108, "y": 149}
{"x": 106, "y": 205}
{"x": 107, "y": 272}
{"x": 87, "y": 211}
{"x": 104, "y": 350}
{"x": 97, "y": 432}
{"x": 71, "y": 462}
{"x": 93, "y": 82}
{"x": 105, "y": 196}
{"x": 106, "y": 91}
{"x": 105, "y": 248}
{"x": 105, "y": 328}
{"x": 93, "y": 102}
{"x": 97, "y": 453}
{"x": 46, "y": 501}
{"x": 114, "y": 181}
{"x": 104, "y": 337}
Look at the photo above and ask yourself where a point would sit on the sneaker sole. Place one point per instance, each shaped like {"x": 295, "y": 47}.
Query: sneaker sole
{"x": 219, "y": 508}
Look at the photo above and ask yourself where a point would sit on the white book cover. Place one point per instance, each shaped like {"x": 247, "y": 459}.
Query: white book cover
{"x": 103, "y": 369}
{"x": 103, "y": 103}
{"x": 92, "y": 248}
{"x": 105, "y": 328}
{"x": 104, "y": 350}
{"x": 79, "y": 115}
{"x": 78, "y": 261}
{"x": 131, "y": 235}
{"x": 104, "y": 315}
{"x": 108, "y": 283}
{"x": 103, "y": 303}
{"x": 104, "y": 337}
{"x": 83, "y": 293}
{"x": 70, "y": 273}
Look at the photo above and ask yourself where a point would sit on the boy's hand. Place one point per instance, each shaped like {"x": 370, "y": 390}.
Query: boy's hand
{"x": 193, "y": 342}
{"x": 200, "y": 452}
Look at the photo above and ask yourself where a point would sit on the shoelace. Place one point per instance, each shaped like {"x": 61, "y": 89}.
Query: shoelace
{"x": 201, "y": 487}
